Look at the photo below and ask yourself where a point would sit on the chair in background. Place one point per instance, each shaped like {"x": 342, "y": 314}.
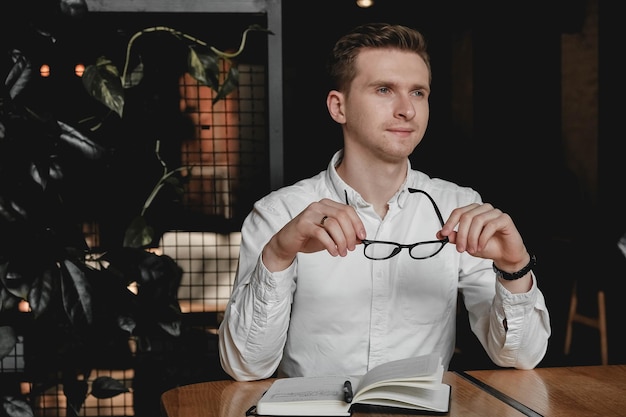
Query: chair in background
{"x": 598, "y": 322}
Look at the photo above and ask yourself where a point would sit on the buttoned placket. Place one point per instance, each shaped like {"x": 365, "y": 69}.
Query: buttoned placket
{"x": 381, "y": 293}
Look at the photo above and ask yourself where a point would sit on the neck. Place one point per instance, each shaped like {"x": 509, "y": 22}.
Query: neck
{"x": 376, "y": 182}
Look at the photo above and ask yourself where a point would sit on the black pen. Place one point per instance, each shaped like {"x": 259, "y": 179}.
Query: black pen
{"x": 347, "y": 392}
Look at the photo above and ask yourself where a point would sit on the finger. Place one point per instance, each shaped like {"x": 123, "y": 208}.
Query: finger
{"x": 468, "y": 225}
{"x": 455, "y": 217}
{"x": 333, "y": 237}
{"x": 455, "y": 230}
{"x": 345, "y": 214}
{"x": 495, "y": 223}
{"x": 341, "y": 226}
{"x": 477, "y": 227}
{"x": 482, "y": 227}
{"x": 341, "y": 230}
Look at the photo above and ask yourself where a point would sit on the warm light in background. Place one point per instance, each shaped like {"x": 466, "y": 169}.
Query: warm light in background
{"x": 23, "y": 306}
{"x": 365, "y": 3}
{"x": 79, "y": 69}
{"x": 45, "y": 70}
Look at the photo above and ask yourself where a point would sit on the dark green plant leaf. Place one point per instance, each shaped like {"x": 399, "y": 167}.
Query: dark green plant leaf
{"x": 76, "y": 392}
{"x": 103, "y": 83}
{"x": 40, "y": 173}
{"x": 79, "y": 142}
{"x": 7, "y": 209}
{"x": 3, "y": 291}
{"x": 19, "y": 76}
{"x": 171, "y": 322}
{"x": 160, "y": 272}
{"x": 230, "y": 84}
{"x": 41, "y": 291}
{"x": 158, "y": 291}
{"x": 203, "y": 65}
{"x": 107, "y": 387}
{"x": 127, "y": 323}
{"x": 175, "y": 184}
{"x": 55, "y": 171}
{"x": 15, "y": 407}
{"x": 76, "y": 292}
{"x": 7, "y": 300}
{"x": 15, "y": 283}
{"x": 8, "y": 340}
{"x": 135, "y": 77}
{"x": 138, "y": 234}
{"x": 158, "y": 279}
{"x": 124, "y": 261}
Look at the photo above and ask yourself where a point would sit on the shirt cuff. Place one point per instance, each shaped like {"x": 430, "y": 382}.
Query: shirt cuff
{"x": 274, "y": 286}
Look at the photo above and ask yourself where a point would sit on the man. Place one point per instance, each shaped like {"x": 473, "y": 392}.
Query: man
{"x": 362, "y": 263}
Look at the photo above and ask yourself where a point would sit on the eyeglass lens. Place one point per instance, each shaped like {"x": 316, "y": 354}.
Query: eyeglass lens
{"x": 379, "y": 250}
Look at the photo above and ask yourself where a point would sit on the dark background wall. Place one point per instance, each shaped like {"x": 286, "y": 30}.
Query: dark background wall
{"x": 526, "y": 108}
{"x": 505, "y": 120}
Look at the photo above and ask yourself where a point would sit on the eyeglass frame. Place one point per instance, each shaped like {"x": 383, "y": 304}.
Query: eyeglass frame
{"x": 399, "y": 246}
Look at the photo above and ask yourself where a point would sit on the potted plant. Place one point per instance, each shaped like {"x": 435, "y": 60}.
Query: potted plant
{"x": 81, "y": 311}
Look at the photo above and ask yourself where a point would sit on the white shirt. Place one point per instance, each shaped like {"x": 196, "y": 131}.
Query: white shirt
{"x": 345, "y": 315}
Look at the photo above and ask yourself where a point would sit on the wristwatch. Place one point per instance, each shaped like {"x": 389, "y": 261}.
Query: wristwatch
{"x": 511, "y": 276}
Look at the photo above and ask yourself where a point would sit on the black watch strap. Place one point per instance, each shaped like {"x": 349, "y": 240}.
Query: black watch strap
{"x": 511, "y": 276}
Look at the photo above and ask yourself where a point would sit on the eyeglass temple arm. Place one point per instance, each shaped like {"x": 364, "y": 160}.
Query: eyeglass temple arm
{"x": 414, "y": 190}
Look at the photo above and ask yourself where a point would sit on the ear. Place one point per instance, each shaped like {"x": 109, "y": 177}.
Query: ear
{"x": 335, "y": 104}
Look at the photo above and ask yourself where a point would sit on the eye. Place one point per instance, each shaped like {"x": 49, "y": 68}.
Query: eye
{"x": 421, "y": 93}
{"x": 383, "y": 90}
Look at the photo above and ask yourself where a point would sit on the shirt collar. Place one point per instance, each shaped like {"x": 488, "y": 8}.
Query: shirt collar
{"x": 343, "y": 190}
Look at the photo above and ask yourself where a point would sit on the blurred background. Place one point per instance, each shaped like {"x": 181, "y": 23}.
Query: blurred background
{"x": 526, "y": 108}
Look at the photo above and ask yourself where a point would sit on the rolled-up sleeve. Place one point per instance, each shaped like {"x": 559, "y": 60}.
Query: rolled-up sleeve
{"x": 513, "y": 328}
{"x": 250, "y": 349}
{"x": 254, "y": 329}
{"x": 519, "y": 328}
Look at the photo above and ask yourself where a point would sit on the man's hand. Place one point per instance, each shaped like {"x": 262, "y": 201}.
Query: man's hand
{"x": 323, "y": 225}
{"x": 487, "y": 232}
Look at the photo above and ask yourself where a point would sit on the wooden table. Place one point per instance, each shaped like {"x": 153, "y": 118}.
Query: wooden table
{"x": 567, "y": 391}
{"x": 232, "y": 399}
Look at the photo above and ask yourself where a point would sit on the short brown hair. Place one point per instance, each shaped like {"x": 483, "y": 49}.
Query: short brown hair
{"x": 340, "y": 64}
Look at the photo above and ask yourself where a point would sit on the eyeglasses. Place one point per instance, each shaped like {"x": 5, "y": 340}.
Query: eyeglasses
{"x": 379, "y": 250}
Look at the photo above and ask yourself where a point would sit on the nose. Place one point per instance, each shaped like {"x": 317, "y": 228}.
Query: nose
{"x": 405, "y": 108}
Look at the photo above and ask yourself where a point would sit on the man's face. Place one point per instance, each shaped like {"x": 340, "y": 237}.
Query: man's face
{"x": 386, "y": 109}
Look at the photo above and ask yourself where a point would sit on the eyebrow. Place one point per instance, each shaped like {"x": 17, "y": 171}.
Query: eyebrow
{"x": 394, "y": 85}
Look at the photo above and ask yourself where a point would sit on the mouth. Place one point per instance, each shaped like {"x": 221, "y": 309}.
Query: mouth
{"x": 400, "y": 131}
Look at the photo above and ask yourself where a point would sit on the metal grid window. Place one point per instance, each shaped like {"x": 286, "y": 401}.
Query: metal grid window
{"x": 14, "y": 361}
{"x": 209, "y": 262}
{"x": 227, "y": 150}
{"x": 227, "y": 154}
{"x": 53, "y": 403}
